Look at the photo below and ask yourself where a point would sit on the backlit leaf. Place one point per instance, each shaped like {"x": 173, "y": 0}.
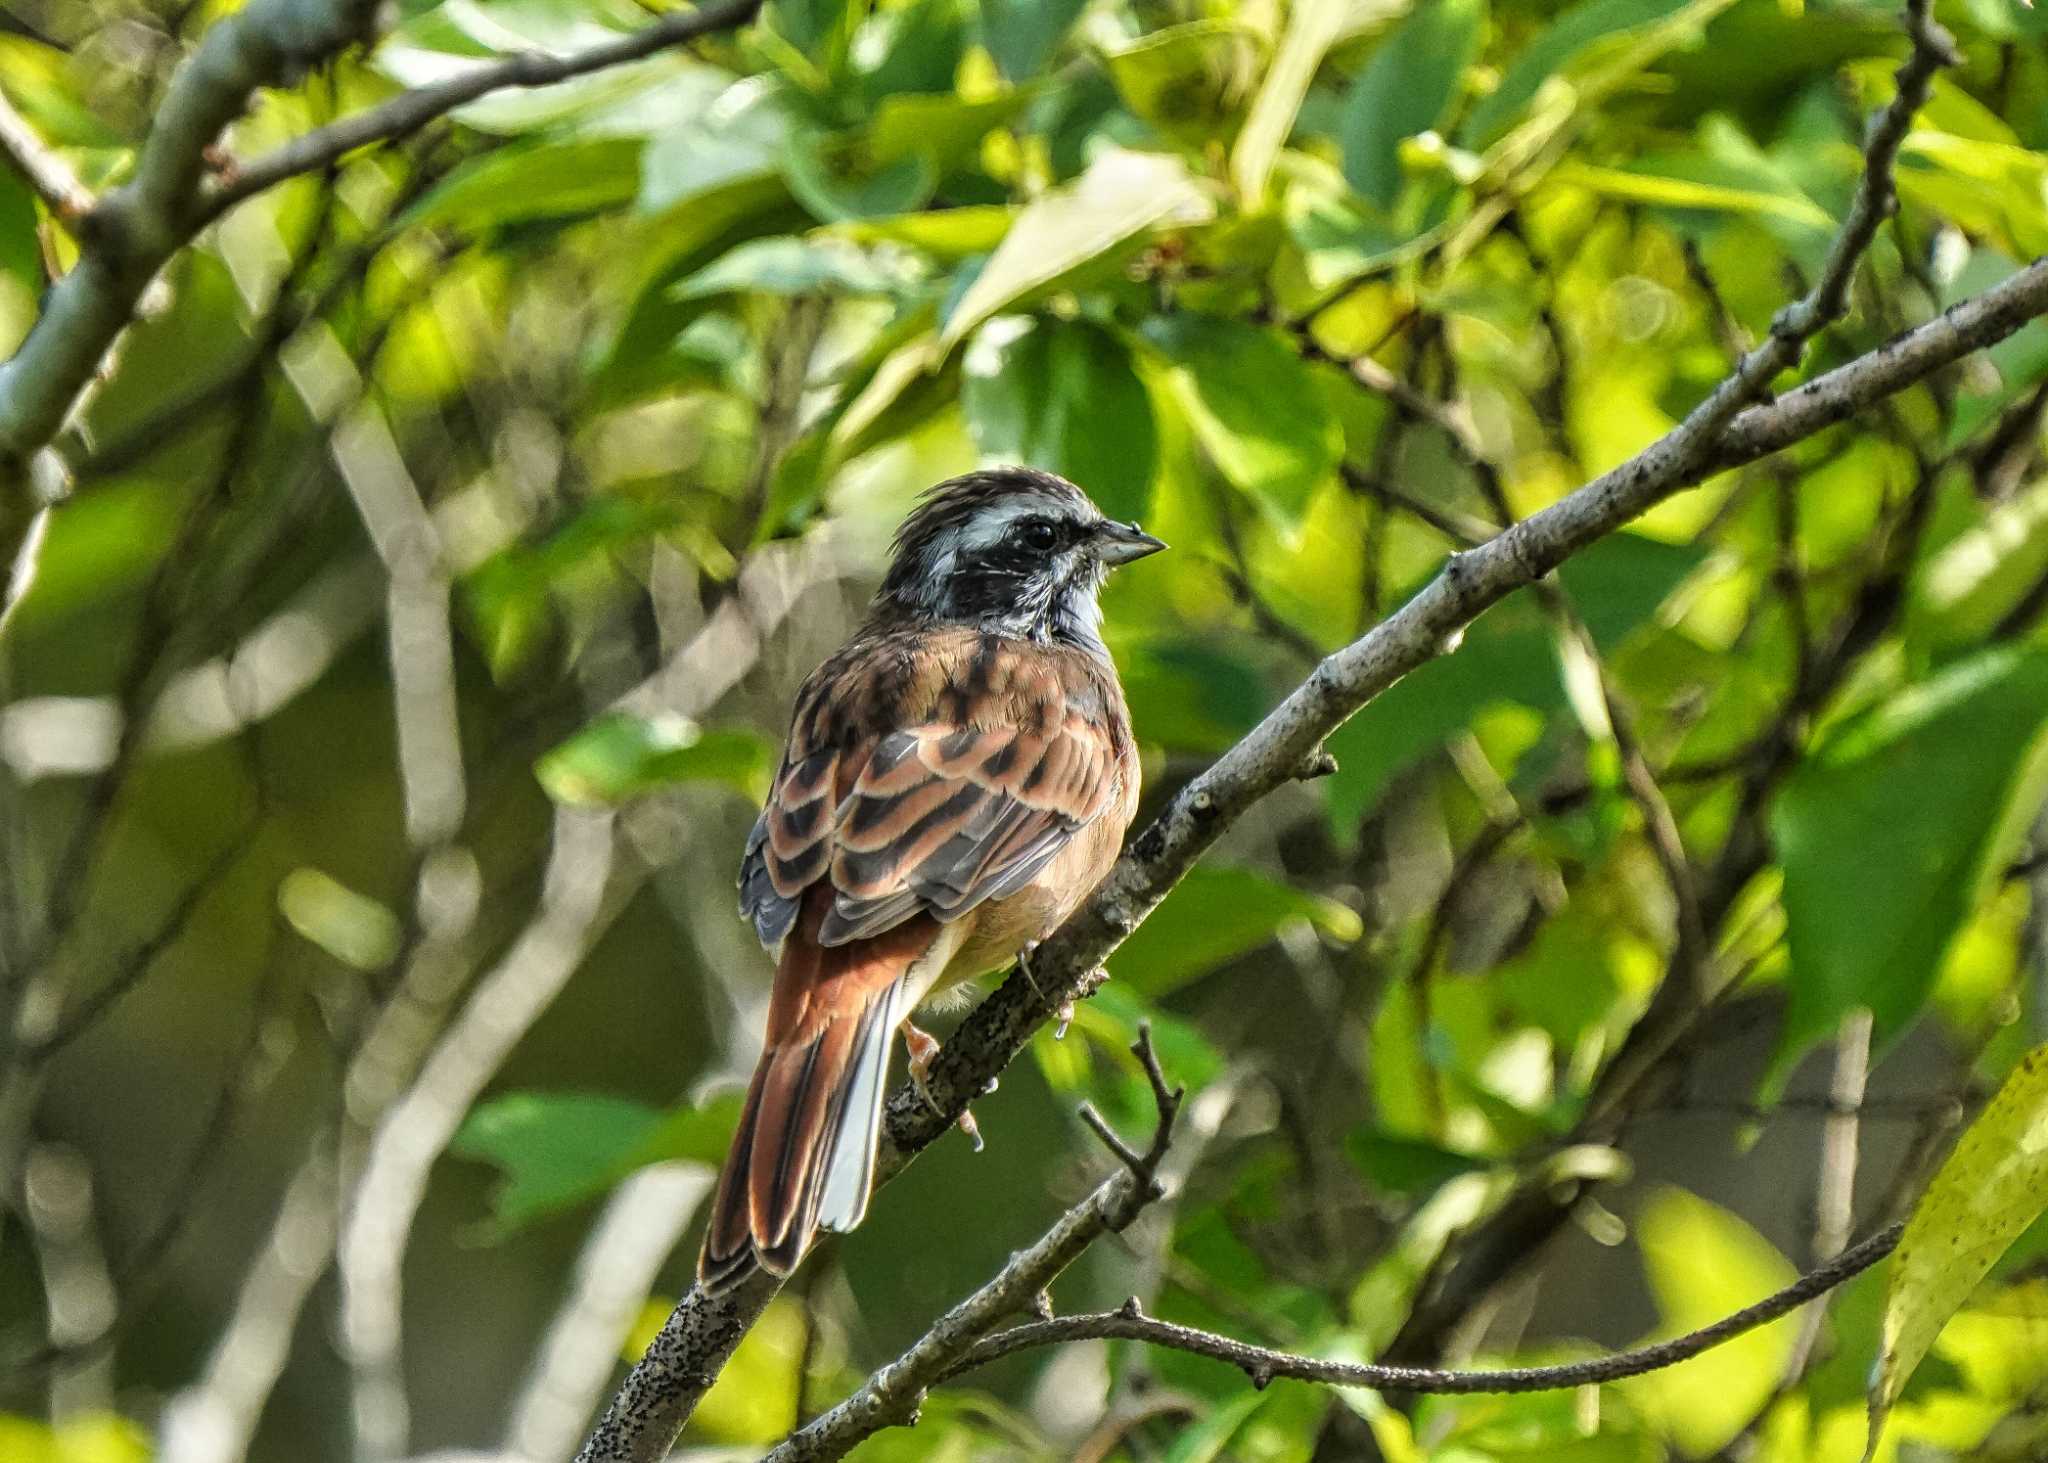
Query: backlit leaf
{"x": 1214, "y": 915}
{"x": 1991, "y": 1188}
{"x": 1119, "y": 198}
{"x": 621, "y": 755}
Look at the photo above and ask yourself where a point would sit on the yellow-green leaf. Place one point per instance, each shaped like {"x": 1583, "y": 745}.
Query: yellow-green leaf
{"x": 1993, "y": 1186}
{"x": 1311, "y": 26}
{"x": 1121, "y": 196}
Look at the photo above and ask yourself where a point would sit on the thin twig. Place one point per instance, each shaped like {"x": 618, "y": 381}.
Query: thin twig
{"x": 1264, "y": 1365}
{"x": 411, "y": 110}
{"x": 41, "y": 168}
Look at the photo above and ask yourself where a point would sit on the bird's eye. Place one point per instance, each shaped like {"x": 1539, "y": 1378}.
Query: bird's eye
{"x": 1038, "y": 536}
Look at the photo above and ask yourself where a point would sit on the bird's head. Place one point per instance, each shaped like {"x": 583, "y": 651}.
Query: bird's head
{"x": 1010, "y": 549}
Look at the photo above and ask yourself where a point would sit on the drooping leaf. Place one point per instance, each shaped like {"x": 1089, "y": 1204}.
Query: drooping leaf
{"x": 1214, "y": 915}
{"x": 1311, "y": 26}
{"x": 1121, "y": 196}
{"x": 1395, "y": 1164}
{"x": 1406, "y": 89}
{"x": 1990, "y": 1189}
{"x": 1886, "y": 832}
{"x": 621, "y": 755}
{"x": 1193, "y": 81}
{"x": 1253, "y": 406}
{"x": 1062, "y": 395}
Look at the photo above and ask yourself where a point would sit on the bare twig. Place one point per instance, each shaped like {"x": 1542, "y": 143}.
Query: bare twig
{"x": 409, "y": 111}
{"x": 1264, "y": 1365}
{"x": 49, "y": 175}
{"x": 892, "y": 1396}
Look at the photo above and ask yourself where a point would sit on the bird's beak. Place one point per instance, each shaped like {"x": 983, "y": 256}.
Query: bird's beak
{"x": 1120, "y": 543}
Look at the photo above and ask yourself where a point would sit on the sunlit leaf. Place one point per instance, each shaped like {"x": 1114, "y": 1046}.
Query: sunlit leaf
{"x": 1121, "y": 197}
{"x": 789, "y": 265}
{"x": 1704, "y": 1263}
{"x": 1311, "y": 26}
{"x": 621, "y": 755}
{"x": 1992, "y": 1186}
{"x": 354, "y": 928}
{"x": 1886, "y": 834}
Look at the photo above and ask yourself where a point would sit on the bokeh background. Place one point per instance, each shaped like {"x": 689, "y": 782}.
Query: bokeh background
{"x": 379, "y": 736}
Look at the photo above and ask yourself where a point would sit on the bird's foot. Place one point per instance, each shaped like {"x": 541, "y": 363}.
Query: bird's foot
{"x": 924, "y": 1050}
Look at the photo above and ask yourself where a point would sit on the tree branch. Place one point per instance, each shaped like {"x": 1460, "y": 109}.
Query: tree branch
{"x": 1263, "y": 1365}
{"x": 409, "y": 111}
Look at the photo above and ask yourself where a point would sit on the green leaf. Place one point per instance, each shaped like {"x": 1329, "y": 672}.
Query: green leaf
{"x": 1023, "y": 34}
{"x": 1189, "y": 81}
{"x": 354, "y": 928}
{"x": 1575, "y": 37}
{"x": 1395, "y": 1164}
{"x": 621, "y": 755}
{"x": 1122, "y": 196}
{"x": 1508, "y": 654}
{"x": 1406, "y": 88}
{"x": 1062, "y": 395}
{"x": 1311, "y": 26}
{"x": 555, "y": 1149}
{"x": 1886, "y": 834}
{"x": 517, "y": 184}
{"x": 559, "y": 1149}
{"x": 790, "y": 265}
{"x": 1215, "y": 915}
{"x": 739, "y": 139}
{"x": 1993, "y": 1186}
{"x": 1704, "y": 1263}
{"x": 1254, "y": 407}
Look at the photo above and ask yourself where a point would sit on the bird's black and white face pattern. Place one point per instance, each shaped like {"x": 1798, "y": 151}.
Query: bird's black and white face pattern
{"x": 1011, "y": 550}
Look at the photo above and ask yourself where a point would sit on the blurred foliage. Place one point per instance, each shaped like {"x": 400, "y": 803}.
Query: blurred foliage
{"x": 1320, "y": 291}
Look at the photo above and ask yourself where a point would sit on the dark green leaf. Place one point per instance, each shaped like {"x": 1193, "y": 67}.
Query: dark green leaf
{"x": 1214, "y": 915}
{"x": 1886, "y": 832}
{"x": 1406, "y": 89}
{"x": 1254, "y": 408}
{"x": 1023, "y": 34}
{"x": 1062, "y": 395}
{"x": 1397, "y": 1165}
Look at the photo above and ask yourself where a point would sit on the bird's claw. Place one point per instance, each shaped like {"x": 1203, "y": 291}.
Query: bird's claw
{"x": 924, "y": 1050}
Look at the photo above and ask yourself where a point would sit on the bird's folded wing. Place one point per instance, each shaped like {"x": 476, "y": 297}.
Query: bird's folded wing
{"x": 934, "y": 818}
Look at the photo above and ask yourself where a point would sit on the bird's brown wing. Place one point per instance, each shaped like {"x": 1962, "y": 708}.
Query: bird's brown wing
{"x": 964, "y": 804}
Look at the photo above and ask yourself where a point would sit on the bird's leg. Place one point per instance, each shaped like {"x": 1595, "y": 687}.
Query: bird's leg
{"x": 1064, "y": 1011}
{"x": 924, "y": 1050}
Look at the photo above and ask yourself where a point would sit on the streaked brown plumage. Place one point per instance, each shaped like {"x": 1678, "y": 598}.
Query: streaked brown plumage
{"x": 958, "y": 777}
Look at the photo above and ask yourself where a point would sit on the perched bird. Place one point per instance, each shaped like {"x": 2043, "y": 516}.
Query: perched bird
{"x": 958, "y": 777}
